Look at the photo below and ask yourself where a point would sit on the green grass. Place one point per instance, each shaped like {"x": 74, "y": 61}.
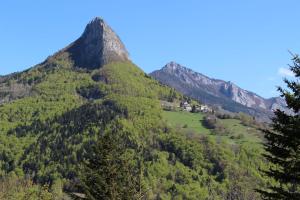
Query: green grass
{"x": 236, "y": 129}
{"x": 236, "y": 132}
{"x": 186, "y": 120}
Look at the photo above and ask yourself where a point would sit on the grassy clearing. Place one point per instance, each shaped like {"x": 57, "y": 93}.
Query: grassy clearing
{"x": 236, "y": 132}
{"x": 186, "y": 120}
{"x": 241, "y": 133}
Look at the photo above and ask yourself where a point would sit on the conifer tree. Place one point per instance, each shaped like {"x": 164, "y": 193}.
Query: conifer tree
{"x": 108, "y": 174}
{"x": 283, "y": 143}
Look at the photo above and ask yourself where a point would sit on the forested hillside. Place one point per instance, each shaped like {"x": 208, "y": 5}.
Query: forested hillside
{"x": 56, "y": 117}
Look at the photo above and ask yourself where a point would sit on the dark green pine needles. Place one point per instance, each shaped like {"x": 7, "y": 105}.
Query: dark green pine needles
{"x": 110, "y": 173}
{"x": 283, "y": 144}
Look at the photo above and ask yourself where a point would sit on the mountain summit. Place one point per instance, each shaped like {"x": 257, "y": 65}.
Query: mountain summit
{"x": 217, "y": 92}
{"x": 97, "y": 46}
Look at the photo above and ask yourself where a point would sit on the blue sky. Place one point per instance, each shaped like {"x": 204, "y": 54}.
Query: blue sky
{"x": 246, "y": 42}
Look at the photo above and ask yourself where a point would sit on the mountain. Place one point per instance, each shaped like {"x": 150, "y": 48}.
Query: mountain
{"x": 53, "y": 114}
{"x": 217, "y": 92}
{"x": 98, "y": 45}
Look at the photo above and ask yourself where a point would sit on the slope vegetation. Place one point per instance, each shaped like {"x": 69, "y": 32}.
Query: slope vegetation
{"x": 47, "y": 133}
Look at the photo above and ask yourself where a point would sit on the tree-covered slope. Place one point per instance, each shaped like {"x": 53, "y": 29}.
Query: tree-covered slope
{"x": 49, "y": 132}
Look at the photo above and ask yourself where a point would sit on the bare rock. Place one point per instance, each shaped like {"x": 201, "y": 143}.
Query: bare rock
{"x": 97, "y": 46}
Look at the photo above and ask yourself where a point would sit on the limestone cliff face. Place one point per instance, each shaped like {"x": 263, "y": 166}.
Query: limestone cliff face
{"x": 217, "y": 92}
{"x": 243, "y": 97}
{"x": 97, "y": 46}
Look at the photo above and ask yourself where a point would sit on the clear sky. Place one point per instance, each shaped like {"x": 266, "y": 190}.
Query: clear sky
{"x": 245, "y": 42}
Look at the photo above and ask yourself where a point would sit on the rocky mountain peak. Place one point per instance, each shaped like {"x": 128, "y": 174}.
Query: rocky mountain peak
{"x": 94, "y": 29}
{"x": 172, "y": 66}
{"x": 97, "y": 46}
{"x": 217, "y": 92}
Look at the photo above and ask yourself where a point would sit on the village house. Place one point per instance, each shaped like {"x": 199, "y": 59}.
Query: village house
{"x": 205, "y": 109}
{"x": 186, "y": 106}
{"x": 196, "y": 108}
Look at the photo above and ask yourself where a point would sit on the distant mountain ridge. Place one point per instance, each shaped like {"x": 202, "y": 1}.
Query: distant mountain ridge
{"x": 217, "y": 92}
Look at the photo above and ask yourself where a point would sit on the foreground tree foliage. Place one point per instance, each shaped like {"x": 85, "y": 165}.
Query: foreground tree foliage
{"x": 109, "y": 172}
{"x": 283, "y": 144}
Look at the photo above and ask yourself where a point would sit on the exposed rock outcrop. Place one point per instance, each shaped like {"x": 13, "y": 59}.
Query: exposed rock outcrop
{"x": 97, "y": 46}
{"x": 217, "y": 92}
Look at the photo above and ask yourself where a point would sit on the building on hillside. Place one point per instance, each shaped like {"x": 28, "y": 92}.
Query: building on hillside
{"x": 205, "y": 109}
{"x": 186, "y": 106}
{"x": 195, "y": 108}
